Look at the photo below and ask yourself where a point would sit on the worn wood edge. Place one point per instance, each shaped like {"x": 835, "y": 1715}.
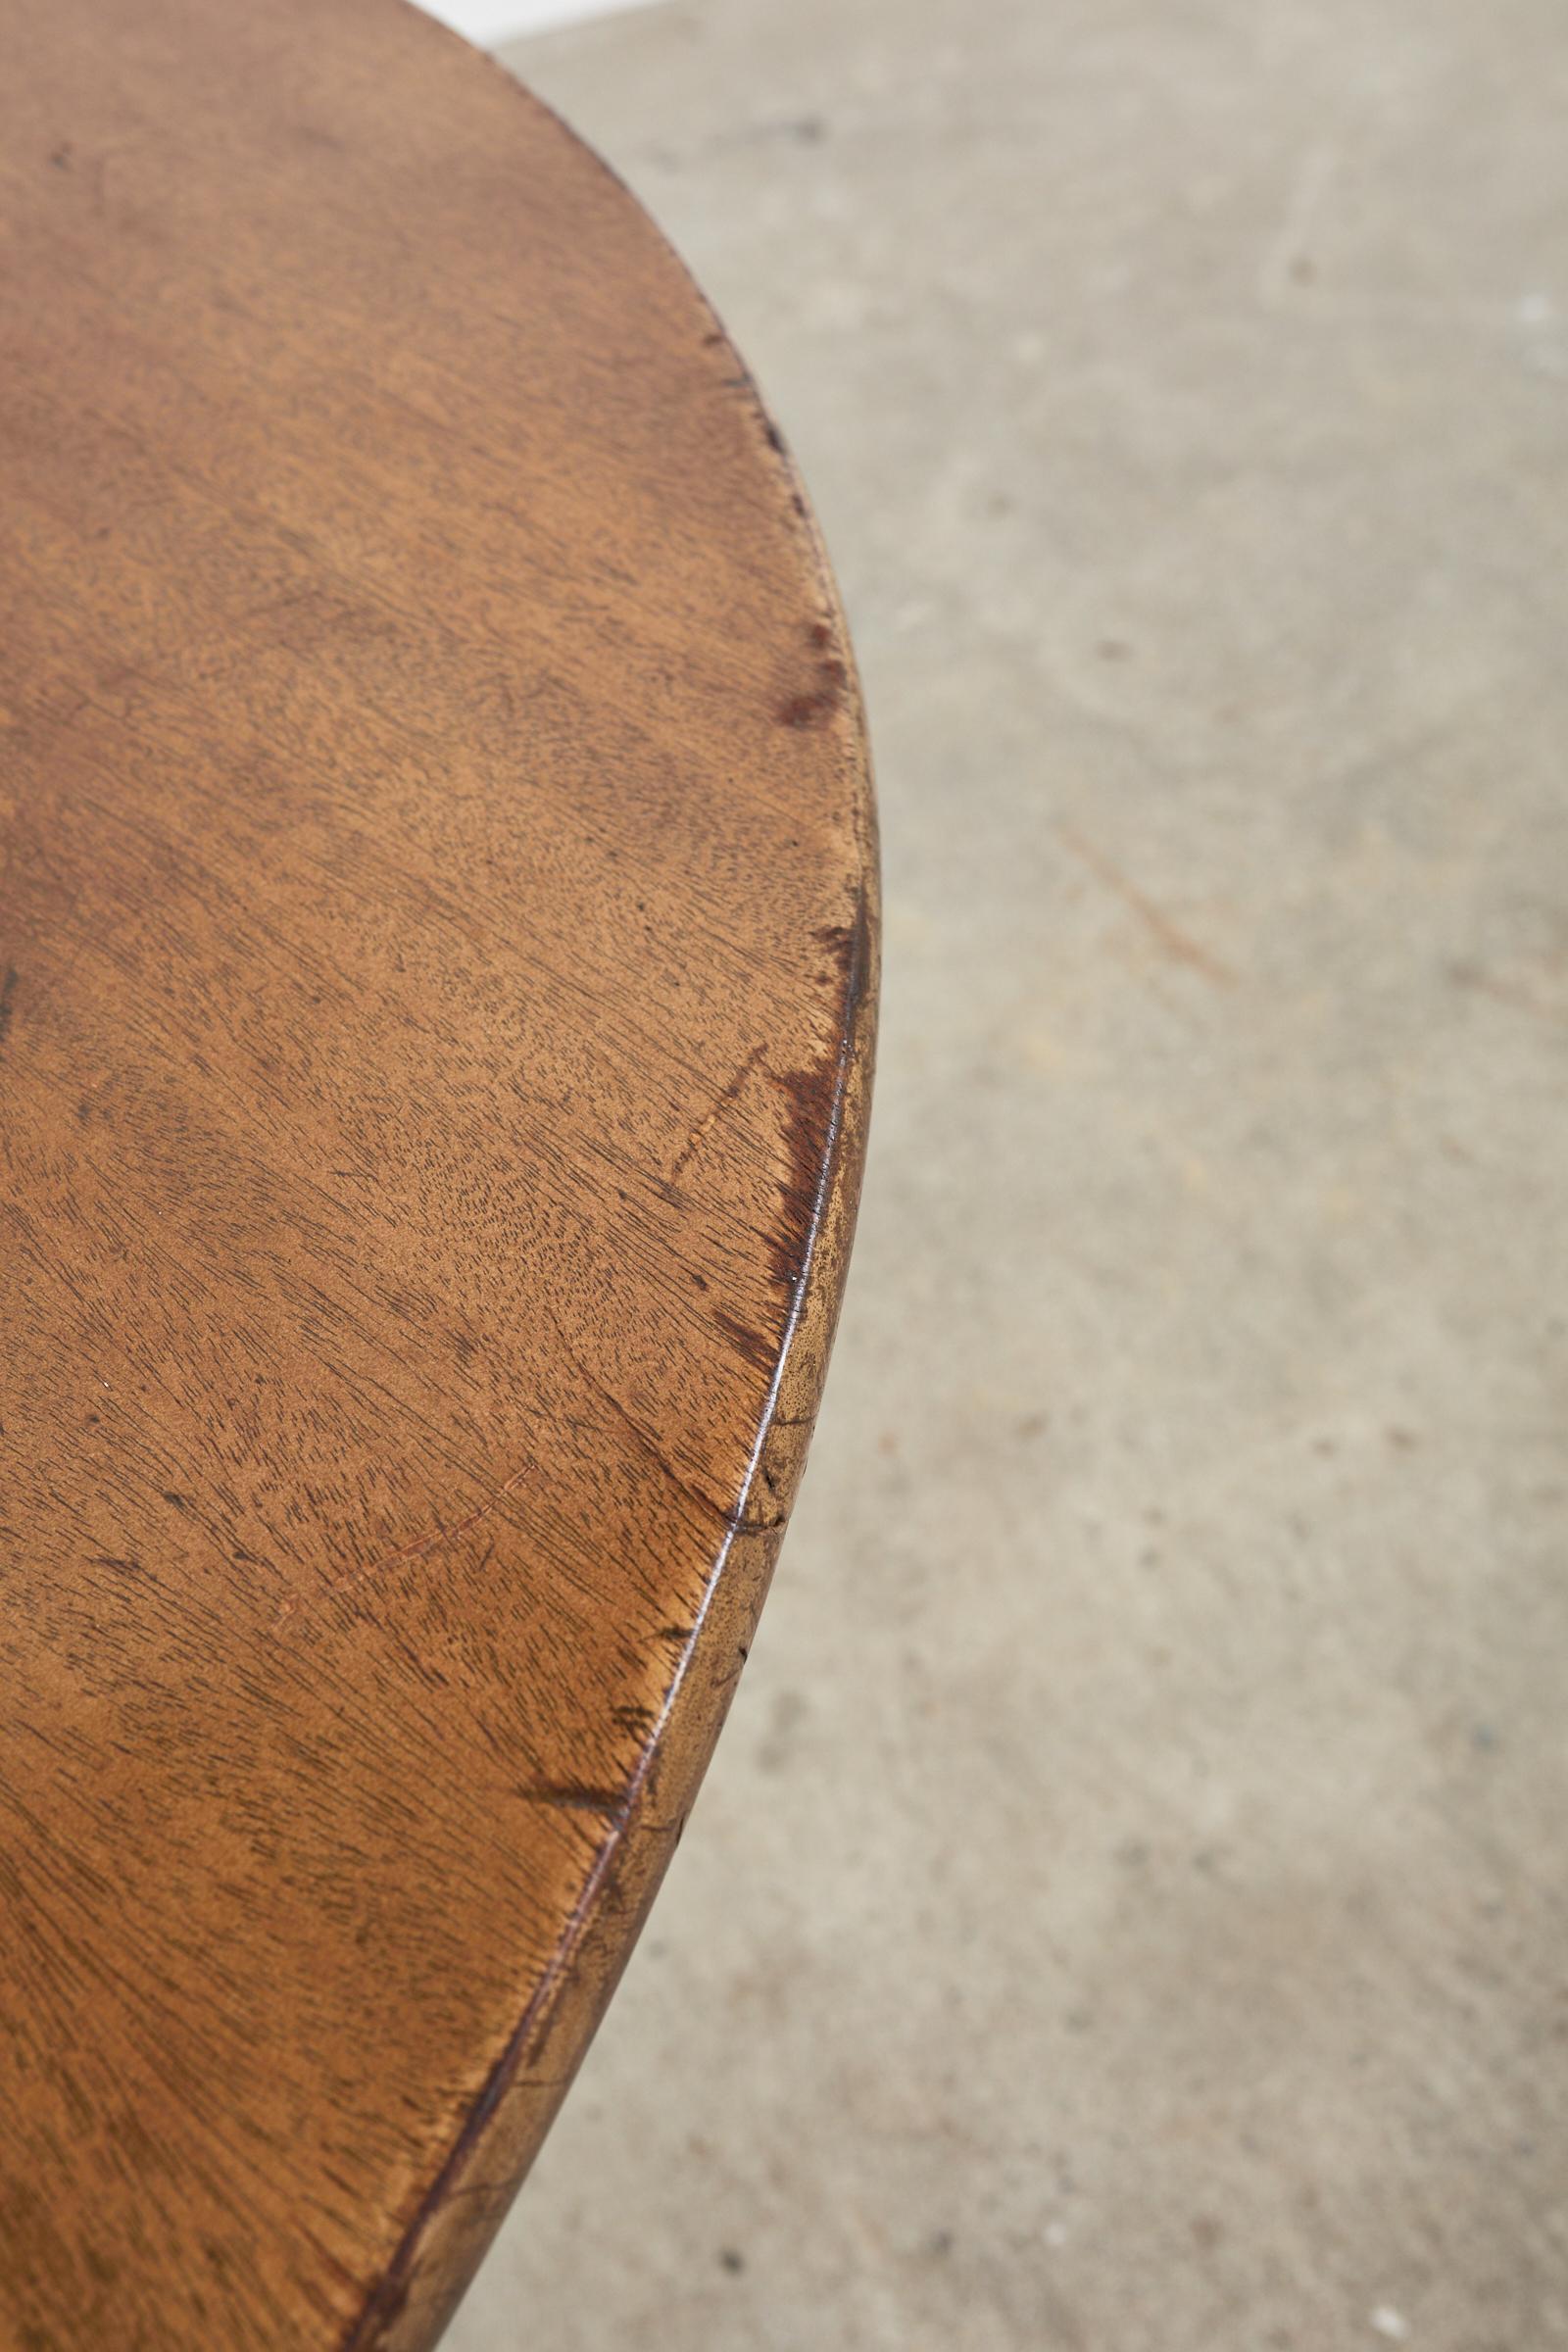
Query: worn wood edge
{"x": 409, "y": 2304}
{"x": 503, "y": 2132}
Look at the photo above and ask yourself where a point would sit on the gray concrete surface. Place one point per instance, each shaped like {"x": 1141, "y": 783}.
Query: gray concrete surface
{"x": 1127, "y": 1913}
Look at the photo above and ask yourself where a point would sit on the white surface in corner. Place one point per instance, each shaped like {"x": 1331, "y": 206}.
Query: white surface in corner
{"x": 490, "y": 21}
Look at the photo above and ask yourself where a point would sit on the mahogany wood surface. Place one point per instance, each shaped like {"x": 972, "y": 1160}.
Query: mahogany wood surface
{"x": 437, "y": 958}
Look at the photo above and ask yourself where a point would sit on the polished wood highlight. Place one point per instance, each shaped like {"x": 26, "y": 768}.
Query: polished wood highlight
{"x": 437, "y": 960}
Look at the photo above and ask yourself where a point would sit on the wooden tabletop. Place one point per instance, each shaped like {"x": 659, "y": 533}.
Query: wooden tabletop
{"x": 437, "y": 943}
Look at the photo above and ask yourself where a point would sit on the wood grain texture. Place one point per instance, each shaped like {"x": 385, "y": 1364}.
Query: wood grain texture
{"x": 437, "y": 960}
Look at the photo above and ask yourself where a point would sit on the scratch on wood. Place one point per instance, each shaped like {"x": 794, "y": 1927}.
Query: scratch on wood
{"x": 731, "y": 1093}
{"x": 295, "y": 1603}
{"x": 1176, "y": 943}
{"x": 8, "y": 990}
{"x": 644, "y": 1441}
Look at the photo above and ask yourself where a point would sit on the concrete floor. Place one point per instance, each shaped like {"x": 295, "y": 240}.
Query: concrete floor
{"x": 1128, "y": 1910}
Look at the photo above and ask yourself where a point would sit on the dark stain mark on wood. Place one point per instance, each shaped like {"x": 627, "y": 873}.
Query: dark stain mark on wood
{"x": 752, "y": 1347}
{"x": 8, "y": 990}
{"x": 572, "y": 1798}
{"x": 816, "y": 703}
{"x": 814, "y": 1097}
